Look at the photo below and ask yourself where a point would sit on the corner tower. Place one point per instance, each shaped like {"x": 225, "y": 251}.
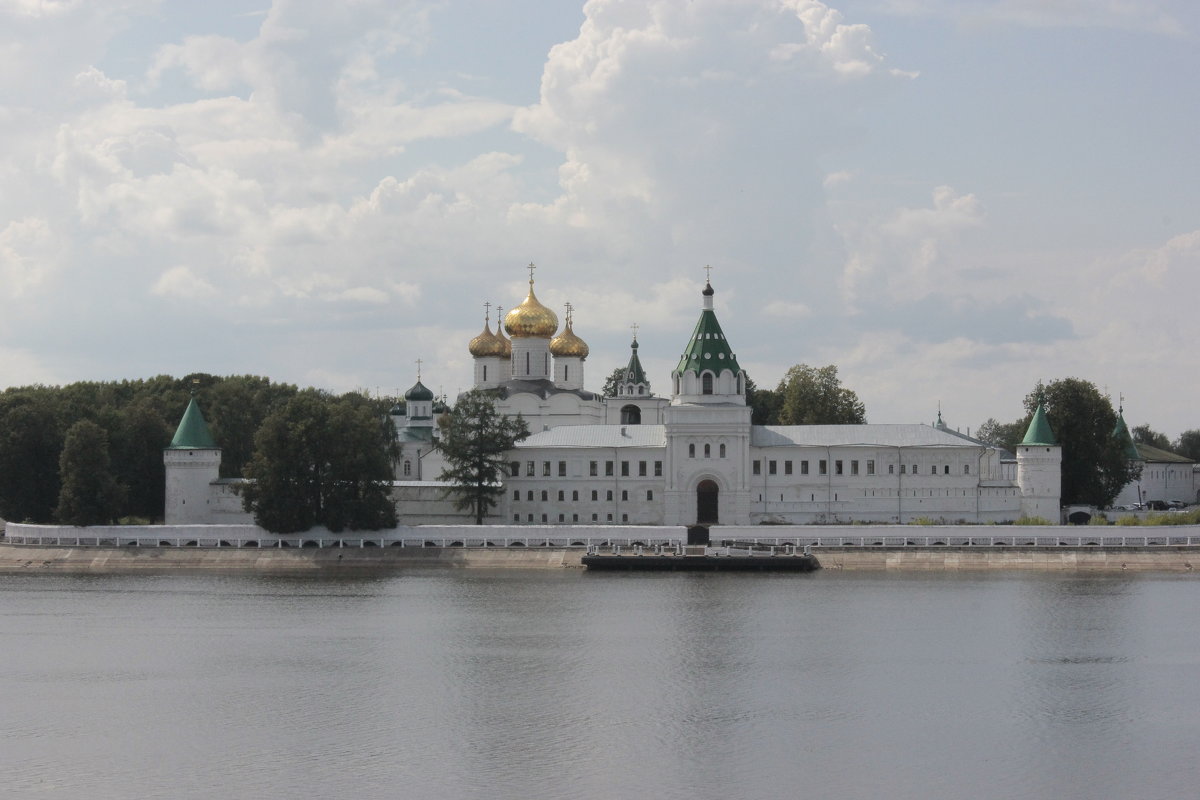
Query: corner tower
{"x": 1039, "y": 470}
{"x": 193, "y": 463}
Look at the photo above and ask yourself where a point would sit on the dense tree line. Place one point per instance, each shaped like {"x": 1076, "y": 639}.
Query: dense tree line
{"x": 54, "y": 468}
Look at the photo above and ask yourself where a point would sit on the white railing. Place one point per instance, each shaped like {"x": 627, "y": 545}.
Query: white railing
{"x": 974, "y": 541}
{"x": 26, "y": 538}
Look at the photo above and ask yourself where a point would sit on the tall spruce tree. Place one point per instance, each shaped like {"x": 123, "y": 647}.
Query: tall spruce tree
{"x": 475, "y": 441}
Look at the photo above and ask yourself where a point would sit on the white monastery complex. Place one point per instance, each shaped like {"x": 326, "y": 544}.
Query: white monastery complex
{"x": 690, "y": 457}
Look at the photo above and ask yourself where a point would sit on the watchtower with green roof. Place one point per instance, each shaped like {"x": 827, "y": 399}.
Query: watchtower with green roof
{"x": 708, "y": 430}
{"x": 193, "y": 465}
{"x": 1039, "y": 469}
{"x": 708, "y": 370}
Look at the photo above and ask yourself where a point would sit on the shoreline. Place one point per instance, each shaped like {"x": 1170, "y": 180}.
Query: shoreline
{"x": 73, "y": 560}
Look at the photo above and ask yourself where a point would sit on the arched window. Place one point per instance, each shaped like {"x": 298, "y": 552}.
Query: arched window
{"x": 706, "y": 383}
{"x": 691, "y": 451}
{"x": 561, "y": 497}
{"x": 544, "y": 495}
{"x": 631, "y": 415}
{"x": 708, "y": 451}
{"x": 546, "y": 363}
{"x": 527, "y": 369}
{"x": 408, "y": 468}
{"x": 566, "y": 373}
{"x": 485, "y": 372}
{"x": 641, "y": 390}
{"x": 722, "y": 451}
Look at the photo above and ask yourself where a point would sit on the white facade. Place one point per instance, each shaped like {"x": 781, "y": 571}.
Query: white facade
{"x": 695, "y": 458}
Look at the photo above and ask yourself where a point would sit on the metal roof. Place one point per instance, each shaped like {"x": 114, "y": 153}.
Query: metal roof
{"x": 192, "y": 433}
{"x": 902, "y": 435}
{"x": 598, "y": 436}
{"x": 1039, "y": 429}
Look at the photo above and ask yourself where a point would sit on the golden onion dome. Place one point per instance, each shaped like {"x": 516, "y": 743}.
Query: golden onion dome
{"x": 568, "y": 345}
{"x": 486, "y": 343}
{"x": 531, "y": 319}
{"x": 504, "y": 341}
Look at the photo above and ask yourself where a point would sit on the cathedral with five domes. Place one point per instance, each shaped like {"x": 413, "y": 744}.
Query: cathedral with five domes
{"x": 691, "y": 457}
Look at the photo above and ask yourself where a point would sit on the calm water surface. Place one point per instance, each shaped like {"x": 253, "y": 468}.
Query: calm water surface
{"x": 465, "y": 684}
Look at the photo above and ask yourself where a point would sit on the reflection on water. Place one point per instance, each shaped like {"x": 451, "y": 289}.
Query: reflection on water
{"x": 545, "y": 684}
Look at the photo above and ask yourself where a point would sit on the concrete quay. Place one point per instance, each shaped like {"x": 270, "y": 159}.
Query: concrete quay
{"x": 43, "y": 559}
{"x": 28, "y": 559}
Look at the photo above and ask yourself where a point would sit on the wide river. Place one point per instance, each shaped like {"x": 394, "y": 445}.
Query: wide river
{"x": 562, "y": 684}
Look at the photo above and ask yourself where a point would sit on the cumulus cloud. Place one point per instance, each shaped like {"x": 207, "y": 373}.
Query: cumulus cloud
{"x": 180, "y": 282}
{"x": 902, "y": 256}
{"x": 28, "y": 254}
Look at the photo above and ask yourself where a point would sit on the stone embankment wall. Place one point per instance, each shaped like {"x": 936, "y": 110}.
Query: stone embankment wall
{"x": 30, "y": 559}
{"x": 1107, "y": 559}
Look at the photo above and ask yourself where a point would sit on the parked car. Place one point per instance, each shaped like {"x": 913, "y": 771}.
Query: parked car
{"x": 1175, "y": 504}
{"x": 1156, "y": 505}
{"x": 1130, "y": 507}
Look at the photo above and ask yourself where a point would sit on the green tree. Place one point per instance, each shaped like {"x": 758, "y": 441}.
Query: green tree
{"x": 815, "y": 396}
{"x": 30, "y": 443}
{"x": 764, "y": 404}
{"x": 1188, "y": 444}
{"x": 320, "y": 460}
{"x": 612, "y": 382}
{"x": 1003, "y": 434}
{"x": 1094, "y": 464}
{"x": 137, "y": 443}
{"x": 475, "y": 441}
{"x": 1144, "y": 434}
{"x": 237, "y": 406}
{"x": 90, "y": 495}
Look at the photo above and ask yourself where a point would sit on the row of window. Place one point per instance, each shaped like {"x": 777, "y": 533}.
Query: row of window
{"x": 593, "y": 468}
{"x": 574, "y": 518}
{"x": 562, "y": 495}
{"x": 839, "y": 467}
{"x": 707, "y": 451}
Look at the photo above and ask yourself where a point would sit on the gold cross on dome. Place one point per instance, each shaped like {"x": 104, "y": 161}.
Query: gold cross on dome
{"x": 487, "y": 312}
{"x": 634, "y": 328}
{"x": 419, "y": 362}
{"x": 531, "y": 269}
{"x": 570, "y": 312}
{"x": 707, "y": 274}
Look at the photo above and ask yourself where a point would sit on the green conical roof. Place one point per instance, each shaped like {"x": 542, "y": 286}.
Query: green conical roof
{"x": 1122, "y": 435}
{"x": 708, "y": 348}
{"x": 192, "y": 433}
{"x": 633, "y": 371}
{"x": 1039, "y": 429}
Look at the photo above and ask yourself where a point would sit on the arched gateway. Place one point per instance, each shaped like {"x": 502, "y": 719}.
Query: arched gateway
{"x": 707, "y": 503}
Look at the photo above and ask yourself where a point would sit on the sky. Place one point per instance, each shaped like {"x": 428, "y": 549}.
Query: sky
{"x": 949, "y": 200}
